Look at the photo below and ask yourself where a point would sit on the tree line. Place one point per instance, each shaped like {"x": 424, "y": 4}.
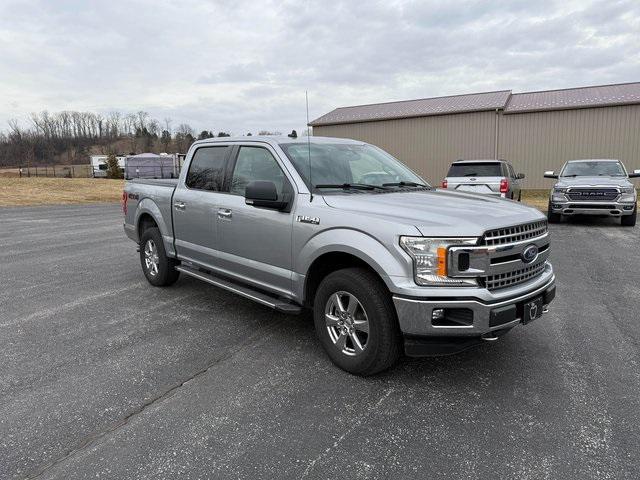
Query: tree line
{"x": 69, "y": 137}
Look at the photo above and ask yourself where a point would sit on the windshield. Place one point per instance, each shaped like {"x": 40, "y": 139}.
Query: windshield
{"x": 344, "y": 164}
{"x": 484, "y": 169}
{"x": 593, "y": 169}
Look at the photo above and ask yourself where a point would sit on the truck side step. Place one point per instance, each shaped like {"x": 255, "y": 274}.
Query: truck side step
{"x": 243, "y": 290}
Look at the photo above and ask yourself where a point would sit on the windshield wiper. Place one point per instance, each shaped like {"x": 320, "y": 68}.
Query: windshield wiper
{"x": 403, "y": 184}
{"x": 572, "y": 175}
{"x": 471, "y": 174}
{"x": 351, "y": 186}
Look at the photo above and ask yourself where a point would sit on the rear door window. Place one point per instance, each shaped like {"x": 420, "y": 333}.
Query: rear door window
{"x": 482, "y": 169}
{"x": 207, "y": 168}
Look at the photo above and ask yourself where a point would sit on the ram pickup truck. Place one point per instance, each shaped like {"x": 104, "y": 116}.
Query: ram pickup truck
{"x": 593, "y": 187}
{"x": 386, "y": 263}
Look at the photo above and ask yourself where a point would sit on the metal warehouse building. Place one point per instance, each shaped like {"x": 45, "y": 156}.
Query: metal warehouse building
{"x": 536, "y": 131}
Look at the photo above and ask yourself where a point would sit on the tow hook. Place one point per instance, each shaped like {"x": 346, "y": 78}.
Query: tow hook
{"x": 545, "y": 309}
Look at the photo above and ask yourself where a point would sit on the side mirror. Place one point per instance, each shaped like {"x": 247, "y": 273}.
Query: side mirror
{"x": 550, "y": 174}
{"x": 636, "y": 173}
{"x": 264, "y": 194}
{"x": 520, "y": 176}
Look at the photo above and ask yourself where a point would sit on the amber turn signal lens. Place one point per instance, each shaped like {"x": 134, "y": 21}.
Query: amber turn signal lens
{"x": 442, "y": 261}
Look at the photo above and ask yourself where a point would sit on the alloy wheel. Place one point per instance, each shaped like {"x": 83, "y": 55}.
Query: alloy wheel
{"x": 151, "y": 258}
{"x": 347, "y": 323}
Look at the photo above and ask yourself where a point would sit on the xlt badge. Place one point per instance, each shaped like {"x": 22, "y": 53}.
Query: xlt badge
{"x": 307, "y": 219}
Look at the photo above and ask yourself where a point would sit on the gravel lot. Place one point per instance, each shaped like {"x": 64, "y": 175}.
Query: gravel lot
{"x": 104, "y": 376}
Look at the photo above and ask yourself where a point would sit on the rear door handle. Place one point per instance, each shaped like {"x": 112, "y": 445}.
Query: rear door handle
{"x": 224, "y": 213}
{"x": 179, "y": 205}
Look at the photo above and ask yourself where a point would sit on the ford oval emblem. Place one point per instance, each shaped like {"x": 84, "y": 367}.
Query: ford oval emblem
{"x": 529, "y": 254}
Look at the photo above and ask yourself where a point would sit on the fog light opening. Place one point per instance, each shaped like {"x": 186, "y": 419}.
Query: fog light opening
{"x": 452, "y": 317}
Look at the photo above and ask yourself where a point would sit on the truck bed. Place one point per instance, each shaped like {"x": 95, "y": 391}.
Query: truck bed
{"x": 159, "y": 182}
{"x": 154, "y": 197}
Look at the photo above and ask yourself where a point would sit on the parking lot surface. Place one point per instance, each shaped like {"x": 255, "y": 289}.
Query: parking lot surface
{"x": 104, "y": 376}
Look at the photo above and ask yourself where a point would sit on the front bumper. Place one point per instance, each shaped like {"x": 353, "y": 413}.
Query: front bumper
{"x": 612, "y": 209}
{"x": 483, "y": 320}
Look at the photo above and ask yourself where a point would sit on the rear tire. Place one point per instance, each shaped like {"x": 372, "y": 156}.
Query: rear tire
{"x": 630, "y": 220}
{"x": 356, "y": 321}
{"x": 157, "y": 267}
{"x": 553, "y": 217}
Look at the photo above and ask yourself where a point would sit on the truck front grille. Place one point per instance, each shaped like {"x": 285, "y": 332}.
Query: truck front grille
{"x": 593, "y": 194}
{"x": 503, "y": 280}
{"x": 517, "y": 233}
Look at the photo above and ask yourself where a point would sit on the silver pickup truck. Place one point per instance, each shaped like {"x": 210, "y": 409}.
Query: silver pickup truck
{"x": 593, "y": 187}
{"x": 386, "y": 262}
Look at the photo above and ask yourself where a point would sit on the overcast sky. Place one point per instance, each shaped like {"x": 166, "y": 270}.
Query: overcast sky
{"x": 244, "y": 66}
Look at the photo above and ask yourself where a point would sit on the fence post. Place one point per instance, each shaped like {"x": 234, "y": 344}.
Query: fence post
{"x": 20, "y": 172}
{"x": 73, "y": 173}
{"x": 54, "y": 170}
{"x": 36, "y": 171}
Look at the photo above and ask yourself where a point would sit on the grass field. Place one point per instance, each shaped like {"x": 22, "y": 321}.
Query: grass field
{"x": 60, "y": 191}
{"x": 538, "y": 198}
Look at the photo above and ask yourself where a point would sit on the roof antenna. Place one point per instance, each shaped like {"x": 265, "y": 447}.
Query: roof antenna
{"x": 306, "y": 94}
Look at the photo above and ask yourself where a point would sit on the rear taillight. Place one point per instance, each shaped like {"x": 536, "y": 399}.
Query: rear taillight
{"x": 124, "y": 202}
{"x": 444, "y": 183}
{"x": 504, "y": 185}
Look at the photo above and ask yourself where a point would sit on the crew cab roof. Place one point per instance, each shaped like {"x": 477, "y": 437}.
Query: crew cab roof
{"x": 278, "y": 140}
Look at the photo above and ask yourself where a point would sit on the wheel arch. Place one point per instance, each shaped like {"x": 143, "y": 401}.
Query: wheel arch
{"x": 145, "y": 221}
{"x": 328, "y": 263}
{"x": 148, "y": 214}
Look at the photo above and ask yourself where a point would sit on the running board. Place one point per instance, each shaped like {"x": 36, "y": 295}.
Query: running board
{"x": 242, "y": 290}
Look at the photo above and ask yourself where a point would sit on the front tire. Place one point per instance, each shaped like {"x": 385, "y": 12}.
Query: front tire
{"x": 630, "y": 220}
{"x": 553, "y": 217}
{"x": 356, "y": 322}
{"x": 157, "y": 267}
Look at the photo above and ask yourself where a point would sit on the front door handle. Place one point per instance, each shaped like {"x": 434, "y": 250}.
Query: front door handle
{"x": 224, "y": 213}
{"x": 179, "y": 205}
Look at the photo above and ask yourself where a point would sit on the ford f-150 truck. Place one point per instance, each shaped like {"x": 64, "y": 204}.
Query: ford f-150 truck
{"x": 593, "y": 187}
{"x": 386, "y": 262}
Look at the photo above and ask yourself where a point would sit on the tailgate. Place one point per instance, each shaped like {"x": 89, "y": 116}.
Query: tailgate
{"x": 475, "y": 184}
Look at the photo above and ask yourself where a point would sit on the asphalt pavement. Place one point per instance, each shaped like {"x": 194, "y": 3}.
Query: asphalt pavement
{"x": 105, "y": 376}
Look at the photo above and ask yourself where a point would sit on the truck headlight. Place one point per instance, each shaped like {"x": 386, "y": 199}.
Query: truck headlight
{"x": 430, "y": 260}
{"x": 628, "y": 194}
{"x": 557, "y": 194}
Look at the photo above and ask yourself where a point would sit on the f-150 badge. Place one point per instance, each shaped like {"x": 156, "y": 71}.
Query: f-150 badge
{"x": 307, "y": 219}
